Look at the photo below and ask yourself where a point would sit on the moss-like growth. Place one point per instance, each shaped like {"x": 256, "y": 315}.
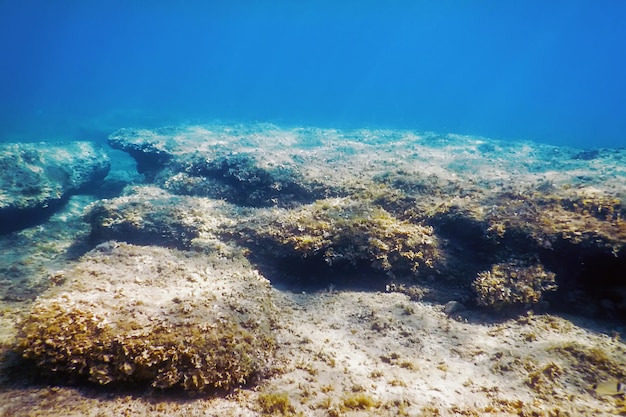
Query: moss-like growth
{"x": 139, "y": 329}
{"x": 276, "y": 403}
{"x": 513, "y": 283}
{"x": 348, "y": 231}
{"x": 358, "y": 401}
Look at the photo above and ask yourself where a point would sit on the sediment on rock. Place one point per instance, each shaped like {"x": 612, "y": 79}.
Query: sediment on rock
{"x": 196, "y": 161}
{"x": 153, "y": 317}
{"x": 151, "y": 216}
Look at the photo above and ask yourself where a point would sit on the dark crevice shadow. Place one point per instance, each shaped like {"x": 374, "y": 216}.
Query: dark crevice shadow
{"x": 14, "y": 220}
{"x": 313, "y": 274}
{"x": 591, "y": 282}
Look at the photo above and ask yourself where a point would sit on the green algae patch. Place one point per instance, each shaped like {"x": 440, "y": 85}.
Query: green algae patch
{"x": 151, "y": 316}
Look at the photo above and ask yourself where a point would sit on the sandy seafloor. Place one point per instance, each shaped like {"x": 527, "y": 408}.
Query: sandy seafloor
{"x": 347, "y": 350}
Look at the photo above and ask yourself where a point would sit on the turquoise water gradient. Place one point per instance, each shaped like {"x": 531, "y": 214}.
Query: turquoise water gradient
{"x": 550, "y": 71}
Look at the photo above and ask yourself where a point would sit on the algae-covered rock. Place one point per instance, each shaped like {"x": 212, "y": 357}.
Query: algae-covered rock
{"x": 153, "y": 316}
{"x": 354, "y": 232}
{"x": 238, "y": 178}
{"x": 218, "y": 162}
{"x": 513, "y": 283}
{"x": 400, "y": 202}
{"x": 150, "y": 149}
{"x": 35, "y": 177}
{"x": 151, "y": 216}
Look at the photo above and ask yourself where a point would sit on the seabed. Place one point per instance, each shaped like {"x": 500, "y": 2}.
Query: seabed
{"x": 249, "y": 270}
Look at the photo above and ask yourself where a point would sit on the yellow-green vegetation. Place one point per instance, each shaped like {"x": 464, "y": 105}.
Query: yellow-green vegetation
{"x": 275, "y": 403}
{"x": 72, "y": 341}
{"x": 349, "y": 231}
{"x": 582, "y": 218}
{"x": 620, "y": 405}
{"x": 513, "y": 283}
{"x": 358, "y": 401}
{"x": 578, "y": 217}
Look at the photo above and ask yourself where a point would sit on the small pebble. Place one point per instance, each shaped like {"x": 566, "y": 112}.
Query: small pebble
{"x": 452, "y": 307}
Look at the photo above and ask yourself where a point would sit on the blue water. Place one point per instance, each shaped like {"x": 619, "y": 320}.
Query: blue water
{"x": 549, "y": 71}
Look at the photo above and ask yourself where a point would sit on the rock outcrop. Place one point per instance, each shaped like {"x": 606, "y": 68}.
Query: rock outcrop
{"x": 253, "y": 169}
{"x": 35, "y": 178}
{"x": 153, "y": 317}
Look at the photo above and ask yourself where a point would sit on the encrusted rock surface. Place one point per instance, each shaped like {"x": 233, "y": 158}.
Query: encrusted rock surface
{"x": 153, "y": 316}
{"x": 35, "y": 177}
{"x": 150, "y": 215}
{"x": 241, "y": 166}
{"x": 350, "y": 232}
{"x": 390, "y": 253}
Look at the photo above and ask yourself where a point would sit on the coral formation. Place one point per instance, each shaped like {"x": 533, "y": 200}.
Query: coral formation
{"x": 182, "y": 323}
{"x": 513, "y": 283}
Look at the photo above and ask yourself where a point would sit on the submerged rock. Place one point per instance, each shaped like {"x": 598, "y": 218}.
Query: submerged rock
{"x": 152, "y": 216}
{"x": 349, "y": 232}
{"x": 219, "y": 163}
{"x": 37, "y": 177}
{"x": 453, "y": 307}
{"x": 155, "y": 317}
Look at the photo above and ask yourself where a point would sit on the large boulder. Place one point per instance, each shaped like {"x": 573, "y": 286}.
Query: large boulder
{"x": 35, "y": 178}
{"x": 155, "y": 317}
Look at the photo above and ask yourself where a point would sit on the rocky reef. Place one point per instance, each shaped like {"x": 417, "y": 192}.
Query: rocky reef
{"x": 35, "y": 178}
{"x": 413, "y": 207}
{"x": 151, "y": 316}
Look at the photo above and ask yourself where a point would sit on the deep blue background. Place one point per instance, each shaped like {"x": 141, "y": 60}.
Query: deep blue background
{"x": 550, "y": 71}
